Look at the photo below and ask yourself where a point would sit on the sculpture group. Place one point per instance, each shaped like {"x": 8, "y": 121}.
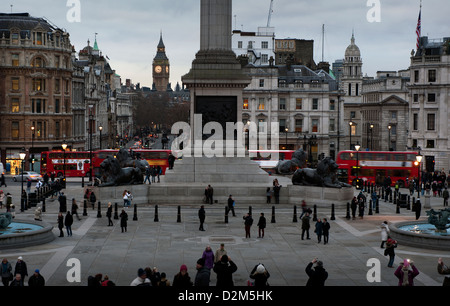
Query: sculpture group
{"x": 5, "y": 220}
{"x": 122, "y": 170}
{"x": 440, "y": 219}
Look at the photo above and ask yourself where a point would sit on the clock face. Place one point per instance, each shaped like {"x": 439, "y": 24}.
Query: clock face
{"x": 158, "y": 69}
{"x": 167, "y": 69}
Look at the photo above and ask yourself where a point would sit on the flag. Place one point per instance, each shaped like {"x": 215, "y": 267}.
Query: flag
{"x": 419, "y": 29}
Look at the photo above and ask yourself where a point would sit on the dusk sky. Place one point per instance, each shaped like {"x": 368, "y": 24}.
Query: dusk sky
{"x": 128, "y": 31}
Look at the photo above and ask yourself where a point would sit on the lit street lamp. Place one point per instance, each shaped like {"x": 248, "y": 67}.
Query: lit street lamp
{"x": 371, "y": 137}
{"x": 419, "y": 162}
{"x": 100, "y": 128}
{"x": 286, "y": 130}
{"x": 357, "y": 147}
{"x": 32, "y": 147}
{"x": 351, "y": 123}
{"x": 64, "y": 146}
{"x": 22, "y": 156}
{"x": 389, "y": 142}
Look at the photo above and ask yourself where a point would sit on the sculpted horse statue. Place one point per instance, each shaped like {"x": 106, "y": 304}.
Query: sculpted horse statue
{"x": 324, "y": 176}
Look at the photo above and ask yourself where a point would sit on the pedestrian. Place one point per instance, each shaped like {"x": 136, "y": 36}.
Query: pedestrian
{"x": 224, "y": 270}
{"x": 305, "y": 226}
{"x": 147, "y": 175}
{"x": 95, "y": 281}
{"x": 208, "y": 256}
{"x": 68, "y": 221}
{"x": 219, "y": 253}
{"x": 203, "y": 276}
{"x": 163, "y": 282}
{"x": 158, "y": 172}
{"x": 38, "y": 214}
{"x": 153, "y": 173}
{"x": 230, "y": 205}
{"x": 6, "y": 272}
{"x": 361, "y": 207}
{"x": 21, "y": 268}
{"x": 28, "y": 185}
{"x": 326, "y": 230}
{"x": 106, "y": 282}
{"x": 92, "y": 199}
{"x": 261, "y": 225}
{"x": 62, "y": 199}
{"x": 109, "y": 214}
{"x": 210, "y": 194}
{"x": 3, "y": 181}
{"x": 130, "y": 198}
{"x": 391, "y": 244}
{"x": 153, "y": 275}
{"x": 123, "y": 220}
{"x": 276, "y": 192}
{"x": 2, "y": 198}
{"x": 260, "y": 275}
{"x": 60, "y": 221}
{"x": 201, "y": 216}
{"x": 182, "y": 278}
{"x": 74, "y": 209}
{"x": 141, "y": 279}
{"x": 319, "y": 230}
{"x": 443, "y": 270}
{"x": 12, "y": 210}
{"x": 17, "y": 281}
{"x": 353, "y": 206}
{"x": 406, "y": 272}
{"x": 36, "y": 280}
{"x": 445, "y": 195}
{"x": 125, "y": 198}
{"x": 384, "y": 233}
{"x": 304, "y": 209}
{"x": 418, "y": 209}
{"x": 317, "y": 275}
{"x": 171, "y": 161}
{"x": 248, "y": 222}
{"x": 268, "y": 195}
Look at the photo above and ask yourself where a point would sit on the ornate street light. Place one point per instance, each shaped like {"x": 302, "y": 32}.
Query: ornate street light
{"x": 351, "y": 124}
{"x": 22, "y": 156}
{"x": 100, "y": 128}
{"x": 419, "y": 162}
{"x": 357, "y": 147}
{"x": 389, "y": 142}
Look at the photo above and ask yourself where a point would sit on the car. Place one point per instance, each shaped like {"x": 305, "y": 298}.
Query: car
{"x": 34, "y": 176}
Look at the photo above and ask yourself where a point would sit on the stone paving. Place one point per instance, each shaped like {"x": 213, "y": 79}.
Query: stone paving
{"x": 168, "y": 244}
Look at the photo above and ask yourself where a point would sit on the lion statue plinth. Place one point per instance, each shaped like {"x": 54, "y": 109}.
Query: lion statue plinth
{"x": 324, "y": 176}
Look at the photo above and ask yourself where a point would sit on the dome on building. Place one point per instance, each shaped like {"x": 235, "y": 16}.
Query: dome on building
{"x": 352, "y": 50}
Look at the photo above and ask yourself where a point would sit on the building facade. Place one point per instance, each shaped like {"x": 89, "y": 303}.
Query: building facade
{"x": 35, "y": 89}
{"x": 258, "y": 47}
{"x": 429, "y": 92}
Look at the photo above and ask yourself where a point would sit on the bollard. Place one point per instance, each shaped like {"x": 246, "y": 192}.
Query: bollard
{"x": 116, "y": 213}
{"x": 397, "y": 211}
{"x": 226, "y": 214}
{"x": 295, "y": 220}
{"x": 390, "y": 197}
{"x": 82, "y": 182}
{"x": 179, "y": 215}
{"x": 408, "y": 205}
{"x": 382, "y": 193}
{"x": 370, "y": 208}
{"x": 377, "y": 207}
{"x": 273, "y": 215}
{"x": 348, "y": 211}
{"x": 315, "y": 213}
{"x": 135, "y": 218}
{"x": 156, "y": 214}
{"x": 43, "y": 207}
{"x": 99, "y": 210}
{"x": 85, "y": 208}
{"x": 250, "y": 210}
{"x": 333, "y": 217}
{"x": 413, "y": 207}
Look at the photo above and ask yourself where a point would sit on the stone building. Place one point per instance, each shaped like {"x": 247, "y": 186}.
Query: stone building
{"x": 429, "y": 111}
{"x": 35, "y": 89}
{"x": 258, "y": 47}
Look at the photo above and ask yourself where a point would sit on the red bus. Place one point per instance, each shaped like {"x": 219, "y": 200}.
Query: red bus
{"x": 76, "y": 163}
{"x": 268, "y": 159}
{"x": 374, "y": 167}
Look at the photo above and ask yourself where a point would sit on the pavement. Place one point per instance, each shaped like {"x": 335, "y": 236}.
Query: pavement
{"x": 353, "y": 247}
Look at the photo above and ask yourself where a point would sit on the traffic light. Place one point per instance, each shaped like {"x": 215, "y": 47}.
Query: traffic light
{"x": 33, "y": 159}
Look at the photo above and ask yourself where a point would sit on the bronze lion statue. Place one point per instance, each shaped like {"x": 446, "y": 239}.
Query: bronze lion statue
{"x": 287, "y": 167}
{"x": 114, "y": 175}
{"x": 324, "y": 176}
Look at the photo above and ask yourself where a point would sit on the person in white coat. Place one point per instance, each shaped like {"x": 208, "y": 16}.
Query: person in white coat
{"x": 384, "y": 233}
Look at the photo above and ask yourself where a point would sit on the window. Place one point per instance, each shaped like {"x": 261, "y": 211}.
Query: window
{"x": 431, "y": 118}
{"x": 431, "y": 97}
{"x": 332, "y": 105}
{"x": 430, "y": 144}
{"x": 415, "y": 122}
{"x": 67, "y": 105}
{"x": 353, "y": 129}
{"x": 299, "y": 125}
{"x": 262, "y": 104}
{"x": 431, "y": 75}
{"x": 394, "y": 130}
{"x": 332, "y": 124}
{"x": 414, "y": 142}
{"x": 38, "y": 85}
{"x": 15, "y": 85}
{"x": 57, "y": 61}
{"x": 57, "y": 106}
{"x": 282, "y": 104}
{"x": 37, "y": 38}
{"x": 15, "y": 105}
{"x": 393, "y": 114}
{"x": 15, "y": 38}
{"x": 264, "y": 58}
{"x": 261, "y": 82}
{"x": 315, "y": 125}
{"x": 315, "y": 104}
{"x": 349, "y": 89}
{"x": 38, "y": 62}
{"x": 264, "y": 45}
{"x": 262, "y": 125}
{"x": 298, "y": 103}
{"x": 15, "y": 130}
{"x": 250, "y": 45}
{"x": 15, "y": 60}
{"x": 38, "y": 106}
{"x": 57, "y": 129}
{"x": 245, "y": 105}
{"x": 282, "y": 125}
{"x": 416, "y": 98}
{"x": 352, "y": 115}
{"x": 239, "y": 44}
{"x": 416, "y": 76}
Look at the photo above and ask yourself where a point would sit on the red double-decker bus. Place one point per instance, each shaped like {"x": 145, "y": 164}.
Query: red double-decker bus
{"x": 77, "y": 163}
{"x": 374, "y": 167}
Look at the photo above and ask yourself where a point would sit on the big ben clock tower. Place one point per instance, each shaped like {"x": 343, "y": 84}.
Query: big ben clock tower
{"x": 161, "y": 68}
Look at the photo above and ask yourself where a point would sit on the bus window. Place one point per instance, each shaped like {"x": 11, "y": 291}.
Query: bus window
{"x": 366, "y": 172}
{"x": 342, "y": 175}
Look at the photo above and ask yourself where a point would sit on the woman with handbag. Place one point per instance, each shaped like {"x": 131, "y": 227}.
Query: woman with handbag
{"x": 6, "y": 272}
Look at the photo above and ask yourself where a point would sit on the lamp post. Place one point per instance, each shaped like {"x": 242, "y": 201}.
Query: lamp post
{"x": 351, "y": 125}
{"x": 100, "y": 128}
{"x": 32, "y": 147}
{"x": 91, "y": 117}
{"x": 371, "y": 137}
{"x": 286, "y": 130}
{"x": 389, "y": 141}
{"x": 419, "y": 161}
{"x": 64, "y": 146}
{"x": 22, "y": 156}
